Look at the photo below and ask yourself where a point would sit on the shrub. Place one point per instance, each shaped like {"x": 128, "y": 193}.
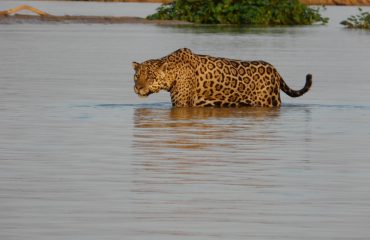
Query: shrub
{"x": 250, "y": 12}
{"x": 361, "y": 20}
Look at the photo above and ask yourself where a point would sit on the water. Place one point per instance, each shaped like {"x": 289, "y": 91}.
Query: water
{"x": 82, "y": 157}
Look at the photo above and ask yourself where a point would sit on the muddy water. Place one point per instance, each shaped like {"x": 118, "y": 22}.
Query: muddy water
{"x": 82, "y": 157}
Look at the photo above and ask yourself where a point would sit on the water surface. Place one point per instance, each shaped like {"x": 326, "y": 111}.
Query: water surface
{"x": 82, "y": 157}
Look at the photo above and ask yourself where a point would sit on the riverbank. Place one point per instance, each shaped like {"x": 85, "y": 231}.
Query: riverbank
{"x": 19, "y": 18}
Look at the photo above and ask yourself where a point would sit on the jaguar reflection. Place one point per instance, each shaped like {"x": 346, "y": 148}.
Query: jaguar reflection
{"x": 187, "y": 132}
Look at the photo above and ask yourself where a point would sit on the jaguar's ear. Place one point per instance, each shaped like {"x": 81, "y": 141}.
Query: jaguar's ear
{"x": 186, "y": 50}
{"x": 135, "y": 65}
{"x": 163, "y": 69}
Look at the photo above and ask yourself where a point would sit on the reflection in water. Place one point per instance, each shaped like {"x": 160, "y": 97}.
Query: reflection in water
{"x": 165, "y": 130}
{"x": 169, "y": 143}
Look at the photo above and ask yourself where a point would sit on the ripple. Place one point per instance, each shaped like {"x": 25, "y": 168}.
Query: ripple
{"x": 167, "y": 105}
{"x": 157, "y": 105}
{"x": 337, "y": 106}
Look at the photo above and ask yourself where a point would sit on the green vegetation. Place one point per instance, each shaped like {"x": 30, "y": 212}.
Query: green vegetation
{"x": 248, "y": 12}
{"x": 361, "y": 20}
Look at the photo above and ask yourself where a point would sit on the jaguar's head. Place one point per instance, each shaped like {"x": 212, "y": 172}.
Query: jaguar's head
{"x": 150, "y": 77}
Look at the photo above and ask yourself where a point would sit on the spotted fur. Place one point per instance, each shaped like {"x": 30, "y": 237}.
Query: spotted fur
{"x": 200, "y": 80}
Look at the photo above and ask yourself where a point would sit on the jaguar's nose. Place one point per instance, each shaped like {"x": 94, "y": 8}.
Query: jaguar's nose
{"x": 139, "y": 90}
{"x": 136, "y": 90}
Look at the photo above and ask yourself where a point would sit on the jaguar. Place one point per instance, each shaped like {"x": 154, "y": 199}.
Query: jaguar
{"x": 195, "y": 80}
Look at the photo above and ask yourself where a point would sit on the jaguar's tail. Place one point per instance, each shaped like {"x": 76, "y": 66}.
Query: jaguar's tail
{"x": 296, "y": 93}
